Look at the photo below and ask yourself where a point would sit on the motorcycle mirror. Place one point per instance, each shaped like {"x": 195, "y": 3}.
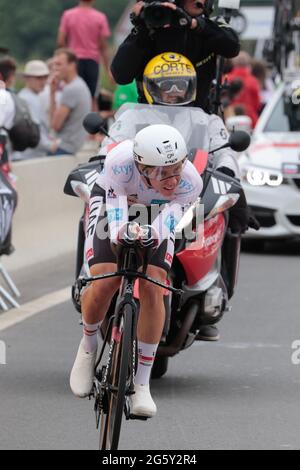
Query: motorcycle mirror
{"x": 94, "y": 123}
{"x": 239, "y": 141}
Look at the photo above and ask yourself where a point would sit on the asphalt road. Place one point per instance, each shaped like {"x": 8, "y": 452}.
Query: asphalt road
{"x": 240, "y": 393}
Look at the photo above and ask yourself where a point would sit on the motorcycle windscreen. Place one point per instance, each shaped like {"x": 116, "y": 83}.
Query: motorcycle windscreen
{"x": 199, "y": 258}
{"x": 132, "y": 118}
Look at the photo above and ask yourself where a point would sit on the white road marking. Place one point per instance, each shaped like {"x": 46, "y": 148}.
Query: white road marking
{"x": 243, "y": 345}
{"x": 30, "y": 309}
{"x": 250, "y": 345}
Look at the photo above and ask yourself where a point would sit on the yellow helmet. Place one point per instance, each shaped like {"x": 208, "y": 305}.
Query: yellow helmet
{"x": 170, "y": 79}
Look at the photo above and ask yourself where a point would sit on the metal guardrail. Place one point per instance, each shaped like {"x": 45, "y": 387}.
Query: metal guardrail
{"x": 7, "y": 300}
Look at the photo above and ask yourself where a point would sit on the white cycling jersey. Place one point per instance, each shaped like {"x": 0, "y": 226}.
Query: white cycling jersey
{"x": 189, "y": 121}
{"x": 124, "y": 186}
{"x": 7, "y": 109}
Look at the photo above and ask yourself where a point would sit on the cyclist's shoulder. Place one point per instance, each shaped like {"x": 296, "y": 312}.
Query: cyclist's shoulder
{"x": 121, "y": 151}
{"x": 119, "y": 163}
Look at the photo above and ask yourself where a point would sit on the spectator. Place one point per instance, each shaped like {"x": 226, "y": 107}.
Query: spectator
{"x": 45, "y": 94}
{"x": 8, "y": 195}
{"x": 66, "y": 118}
{"x": 125, "y": 94}
{"x": 267, "y": 88}
{"x": 8, "y": 68}
{"x": 36, "y": 74}
{"x": 249, "y": 96}
{"x": 7, "y": 115}
{"x": 85, "y": 30}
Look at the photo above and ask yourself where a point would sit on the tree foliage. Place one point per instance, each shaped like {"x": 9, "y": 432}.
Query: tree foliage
{"x": 29, "y": 28}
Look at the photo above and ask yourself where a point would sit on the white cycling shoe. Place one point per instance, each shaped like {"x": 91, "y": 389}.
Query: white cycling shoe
{"x": 82, "y": 375}
{"x": 142, "y": 403}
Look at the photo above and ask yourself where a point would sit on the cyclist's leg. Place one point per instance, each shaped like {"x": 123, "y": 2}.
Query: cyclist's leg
{"x": 95, "y": 303}
{"x": 150, "y": 328}
{"x": 152, "y": 314}
{"x": 97, "y": 297}
{"x": 152, "y": 310}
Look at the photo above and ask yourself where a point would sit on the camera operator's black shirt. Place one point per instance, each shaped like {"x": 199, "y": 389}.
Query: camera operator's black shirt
{"x": 201, "y": 47}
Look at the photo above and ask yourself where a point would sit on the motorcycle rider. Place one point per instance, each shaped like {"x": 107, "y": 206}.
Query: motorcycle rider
{"x": 156, "y": 164}
{"x": 202, "y": 42}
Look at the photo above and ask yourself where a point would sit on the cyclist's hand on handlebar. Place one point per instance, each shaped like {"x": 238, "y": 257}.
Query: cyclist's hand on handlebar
{"x": 144, "y": 236}
{"x": 128, "y": 234}
{"x": 149, "y": 238}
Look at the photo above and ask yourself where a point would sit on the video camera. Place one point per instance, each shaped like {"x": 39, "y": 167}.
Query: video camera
{"x": 155, "y": 15}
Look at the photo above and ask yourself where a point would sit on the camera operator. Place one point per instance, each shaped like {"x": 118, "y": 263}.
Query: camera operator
{"x": 181, "y": 26}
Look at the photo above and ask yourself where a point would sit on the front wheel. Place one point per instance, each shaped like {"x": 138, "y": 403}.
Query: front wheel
{"x": 118, "y": 383}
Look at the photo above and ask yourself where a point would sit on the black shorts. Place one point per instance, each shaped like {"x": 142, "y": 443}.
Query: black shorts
{"x": 88, "y": 70}
{"x": 98, "y": 250}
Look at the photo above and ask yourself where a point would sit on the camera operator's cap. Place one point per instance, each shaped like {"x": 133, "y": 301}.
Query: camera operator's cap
{"x": 36, "y": 68}
{"x": 167, "y": 73}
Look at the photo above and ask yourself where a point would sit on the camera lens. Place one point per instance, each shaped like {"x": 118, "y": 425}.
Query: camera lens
{"x": 157, "y": 16}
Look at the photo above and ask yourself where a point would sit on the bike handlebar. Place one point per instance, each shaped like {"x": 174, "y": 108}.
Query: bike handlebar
{"x": 129, "y": 274}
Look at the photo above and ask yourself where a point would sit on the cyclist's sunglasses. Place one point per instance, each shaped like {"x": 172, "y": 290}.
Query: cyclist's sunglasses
{"x": 162, "y": 173}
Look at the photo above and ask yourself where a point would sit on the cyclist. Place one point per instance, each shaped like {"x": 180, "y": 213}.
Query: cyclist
{"x": 151, "y": 170}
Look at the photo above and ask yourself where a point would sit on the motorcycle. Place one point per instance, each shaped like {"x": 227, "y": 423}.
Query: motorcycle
{"x": 204, "y": 267}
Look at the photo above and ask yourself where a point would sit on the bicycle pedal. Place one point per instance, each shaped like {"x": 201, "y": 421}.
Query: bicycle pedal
{"x": 138, "y": 417}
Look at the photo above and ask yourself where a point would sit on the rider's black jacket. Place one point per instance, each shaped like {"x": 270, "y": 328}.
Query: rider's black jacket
{"x": 201, "y": 46}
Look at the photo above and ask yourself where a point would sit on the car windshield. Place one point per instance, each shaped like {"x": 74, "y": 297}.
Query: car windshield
{"x": 285, "y": 117}
{"x": 187, "y": 120}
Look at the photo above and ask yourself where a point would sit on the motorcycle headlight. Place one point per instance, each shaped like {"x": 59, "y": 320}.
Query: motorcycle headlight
{"x": 256, "y": 176}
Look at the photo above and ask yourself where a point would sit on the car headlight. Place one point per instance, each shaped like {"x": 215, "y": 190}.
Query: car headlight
{"x": 256, "y": 176}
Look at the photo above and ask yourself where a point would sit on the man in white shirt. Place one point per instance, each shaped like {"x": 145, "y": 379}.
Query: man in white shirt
{"x": 8, "y": 69}
{"x": 36, "y": 74}
{"x": 7, "y": 108}
{"x": 8, "y": 199}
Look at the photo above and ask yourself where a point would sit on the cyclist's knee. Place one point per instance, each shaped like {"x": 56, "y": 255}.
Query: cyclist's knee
{"x": 106, "y": 287}
{"x": 151, "y": 291}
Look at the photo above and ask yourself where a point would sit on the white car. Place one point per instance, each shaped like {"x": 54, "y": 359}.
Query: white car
{"x": 271, "y": 167}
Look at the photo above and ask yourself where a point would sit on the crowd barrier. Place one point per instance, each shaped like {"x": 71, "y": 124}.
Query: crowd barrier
{"x": 46, "y": 220}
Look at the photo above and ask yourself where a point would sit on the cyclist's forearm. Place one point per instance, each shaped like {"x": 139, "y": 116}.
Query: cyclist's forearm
{"x": 116, "y": 208}
{"x": 165, "y": 223}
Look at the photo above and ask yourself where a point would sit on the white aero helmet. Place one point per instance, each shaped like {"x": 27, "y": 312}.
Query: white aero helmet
{"x": 159, "y": 146}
